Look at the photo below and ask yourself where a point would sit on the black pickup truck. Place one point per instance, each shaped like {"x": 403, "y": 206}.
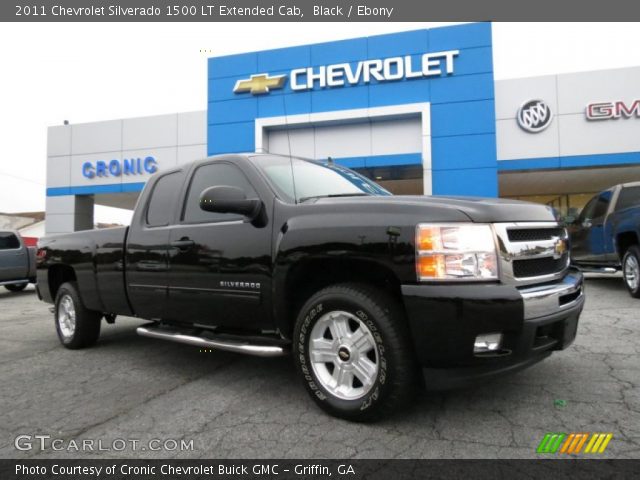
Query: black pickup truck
{"x": 606, "y": 234}
{"x": 372, "y": 293}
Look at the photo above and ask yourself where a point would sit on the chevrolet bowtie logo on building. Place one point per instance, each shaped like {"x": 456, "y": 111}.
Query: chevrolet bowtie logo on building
{"x": 259, "y": 84}
{"x": 574, "y": 443}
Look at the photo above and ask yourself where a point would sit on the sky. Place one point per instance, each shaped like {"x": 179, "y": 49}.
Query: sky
{"x": 84, "y": 72}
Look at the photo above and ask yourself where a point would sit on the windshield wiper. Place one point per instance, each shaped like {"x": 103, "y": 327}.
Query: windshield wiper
{"x": 334, "y": 195}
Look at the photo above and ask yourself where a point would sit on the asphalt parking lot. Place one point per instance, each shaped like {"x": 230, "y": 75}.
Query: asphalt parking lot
{"x": 134, "y": 388}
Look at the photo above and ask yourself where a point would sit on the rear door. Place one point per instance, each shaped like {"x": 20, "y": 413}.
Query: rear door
{"x": 13, "y": 258}
{"x": 219, "y": 264}
{"x": 147, "y": 247}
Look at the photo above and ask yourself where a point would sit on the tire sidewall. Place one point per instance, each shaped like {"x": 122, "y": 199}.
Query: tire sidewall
{"x": 64, "y": 290}
{"x": 309, "y": 315}
{"x": 16, "y": 287}
{"x": 631, "y": 252}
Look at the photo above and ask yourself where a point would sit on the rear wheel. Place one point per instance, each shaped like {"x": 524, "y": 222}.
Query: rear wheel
{"x": 352, "y": 349}
{"x": 16, "y": 287}
{"x": 77, "y": 326}
{"x": 631, "y": 270}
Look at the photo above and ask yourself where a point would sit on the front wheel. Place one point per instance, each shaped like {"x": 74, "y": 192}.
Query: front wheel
{"x": 352, "y": 349}
{"x": 631, "y": 270}
{"x": 77, "y": 326}
{"x": 16, "y": 287}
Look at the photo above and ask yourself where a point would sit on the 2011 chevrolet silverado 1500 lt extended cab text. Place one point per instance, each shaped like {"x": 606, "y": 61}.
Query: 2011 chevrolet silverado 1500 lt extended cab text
{"x": 606, "y": 234}
{"x": 265, "y": 255}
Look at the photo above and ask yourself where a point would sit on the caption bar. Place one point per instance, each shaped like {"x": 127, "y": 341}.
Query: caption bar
{"x": 182, "y": 11}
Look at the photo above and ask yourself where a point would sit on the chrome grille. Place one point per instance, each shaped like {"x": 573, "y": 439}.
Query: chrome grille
{"x": 531, "y": 252}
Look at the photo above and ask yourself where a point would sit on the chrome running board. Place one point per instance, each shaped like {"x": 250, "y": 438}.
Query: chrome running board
{"x": 586, "y": 269}
{"x": 237, "y": 346}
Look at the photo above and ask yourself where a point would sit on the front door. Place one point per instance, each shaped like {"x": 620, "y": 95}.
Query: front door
{"x": 219, "y": 264}
{"x": 587, "y": 235}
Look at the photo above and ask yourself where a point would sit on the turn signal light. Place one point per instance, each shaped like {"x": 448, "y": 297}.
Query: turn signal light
{"x": 431, "y": 266}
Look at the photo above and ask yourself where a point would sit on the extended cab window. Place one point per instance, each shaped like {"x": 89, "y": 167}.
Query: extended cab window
{"x": 213, "y": 175}
{"x": 629, "y": 196}
{"x": 163, "y": 200}
{"x": 8, "y": 241}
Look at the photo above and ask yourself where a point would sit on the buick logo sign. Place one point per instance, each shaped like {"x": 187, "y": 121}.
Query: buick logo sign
{"x": 534, "y": 116}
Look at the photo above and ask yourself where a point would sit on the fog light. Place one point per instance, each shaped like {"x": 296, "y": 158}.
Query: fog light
{"x": 488, "y": 342}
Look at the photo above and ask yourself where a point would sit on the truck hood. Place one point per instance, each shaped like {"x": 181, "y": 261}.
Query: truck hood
{"x": 477, "y": 209}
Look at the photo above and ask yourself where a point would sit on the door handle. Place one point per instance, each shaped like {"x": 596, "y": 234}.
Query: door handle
{"x": 183, "y": 243}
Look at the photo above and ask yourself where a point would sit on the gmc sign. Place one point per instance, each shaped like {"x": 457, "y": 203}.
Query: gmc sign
{"x": 607, "y": 110}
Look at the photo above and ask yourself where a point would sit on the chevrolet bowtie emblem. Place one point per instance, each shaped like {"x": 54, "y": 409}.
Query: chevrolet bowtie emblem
{"x": 258, "y": 84}
{"x": 559, "y": 249}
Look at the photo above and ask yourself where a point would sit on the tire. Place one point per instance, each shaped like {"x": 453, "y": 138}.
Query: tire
{"x": 346, "y": 385}
{"x": 16, "y": 287}
{"x": 77, "y": 326}
{"x": 631, "y": 270}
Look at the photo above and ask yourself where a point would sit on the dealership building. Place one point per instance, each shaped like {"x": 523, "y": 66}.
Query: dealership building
{"x": 419, "y": 112}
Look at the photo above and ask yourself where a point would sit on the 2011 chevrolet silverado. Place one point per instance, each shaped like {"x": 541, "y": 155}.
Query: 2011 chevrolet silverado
{"x": 372, "y": 293}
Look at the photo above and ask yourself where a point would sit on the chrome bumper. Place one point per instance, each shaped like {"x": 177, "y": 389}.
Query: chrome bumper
{"x": 543, "y": 300}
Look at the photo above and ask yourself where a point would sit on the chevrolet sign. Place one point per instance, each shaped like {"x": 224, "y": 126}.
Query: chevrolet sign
{"x": 341, "y": 74}
{"x": 259, "y": 84}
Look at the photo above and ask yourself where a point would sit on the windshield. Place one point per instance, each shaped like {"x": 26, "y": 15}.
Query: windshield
{"x": 313, "y": 179}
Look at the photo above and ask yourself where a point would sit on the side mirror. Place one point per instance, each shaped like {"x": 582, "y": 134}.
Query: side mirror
{"x": 226, "y": 199}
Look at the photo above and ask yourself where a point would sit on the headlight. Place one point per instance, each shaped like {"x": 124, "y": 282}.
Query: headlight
{"x": 455, "y": 252}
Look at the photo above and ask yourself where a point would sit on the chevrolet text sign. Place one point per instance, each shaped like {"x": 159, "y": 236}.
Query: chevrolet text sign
{"x": 341, "y": 74}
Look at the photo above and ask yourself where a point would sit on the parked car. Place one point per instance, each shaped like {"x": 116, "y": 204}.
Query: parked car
{"x": 266, "y": 255}
{"x": 605, "y": 235}
{"x": 17, "y": 262}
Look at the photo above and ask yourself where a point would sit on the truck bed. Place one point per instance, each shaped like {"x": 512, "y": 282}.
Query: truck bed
{"x": 97, "y": 257}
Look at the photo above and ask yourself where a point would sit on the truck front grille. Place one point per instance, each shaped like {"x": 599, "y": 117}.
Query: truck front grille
{"x": 537, "y": 267}
{"x": 531, "y": 252}
{"x": 533, "y": 234}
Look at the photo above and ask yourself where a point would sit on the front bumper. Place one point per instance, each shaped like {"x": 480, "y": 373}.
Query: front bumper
{"x": 534, "y": 321}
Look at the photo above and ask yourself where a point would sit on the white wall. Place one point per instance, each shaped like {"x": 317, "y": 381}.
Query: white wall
{"x": 172, "y": 140}
{"x": 570, "y": 133}
{"x": 386, "y": 137}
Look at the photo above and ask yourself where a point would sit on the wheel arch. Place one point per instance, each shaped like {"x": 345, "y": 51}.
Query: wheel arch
{"x": 624, "y": 241}
{"x": 57, "y": 275}
{"x": 312, "y": 275}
